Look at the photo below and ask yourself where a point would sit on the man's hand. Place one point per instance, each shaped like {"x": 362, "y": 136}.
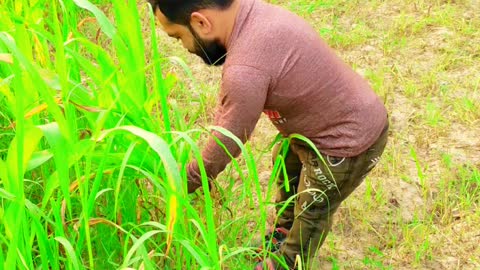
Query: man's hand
{"x": 193, "y": 185}
{"x": 194, "y": 180}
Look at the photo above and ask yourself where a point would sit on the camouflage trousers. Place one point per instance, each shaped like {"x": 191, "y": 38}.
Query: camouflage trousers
{"x": 318, "y": 186}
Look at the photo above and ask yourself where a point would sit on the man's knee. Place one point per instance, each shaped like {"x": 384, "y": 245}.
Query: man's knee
{"x": 315, "y": 205}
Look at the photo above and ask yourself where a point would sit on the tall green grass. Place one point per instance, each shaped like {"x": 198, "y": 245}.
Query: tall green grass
{"x": 95, "y": 133}
{"x": 93, "y": 153}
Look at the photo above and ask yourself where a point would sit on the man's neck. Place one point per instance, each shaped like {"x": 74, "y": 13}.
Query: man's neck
{"x": 228, "y": 19}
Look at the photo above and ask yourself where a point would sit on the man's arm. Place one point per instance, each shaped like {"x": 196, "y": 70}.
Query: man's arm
{"x": 242, "y": 98}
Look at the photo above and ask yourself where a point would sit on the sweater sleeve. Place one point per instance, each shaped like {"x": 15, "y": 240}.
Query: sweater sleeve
{"x": 241, "y": 101}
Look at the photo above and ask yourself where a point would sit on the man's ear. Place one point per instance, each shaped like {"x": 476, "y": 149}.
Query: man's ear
{"x": 201, "y": 24}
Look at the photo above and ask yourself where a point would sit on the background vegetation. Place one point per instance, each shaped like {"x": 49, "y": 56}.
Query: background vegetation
{"x": 100, "y": 112}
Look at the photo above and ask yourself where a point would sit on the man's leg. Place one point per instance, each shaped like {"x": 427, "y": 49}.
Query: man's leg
{"x": 293, "y": 167}
{"x": 316, "y": 202}
{"x": 323, "y": 186}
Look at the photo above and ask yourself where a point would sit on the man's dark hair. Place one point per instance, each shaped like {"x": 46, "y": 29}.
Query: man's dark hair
{"x": 179, "y": 11}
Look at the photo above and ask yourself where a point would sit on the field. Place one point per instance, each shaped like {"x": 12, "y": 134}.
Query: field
{"x": 100, "y": 112}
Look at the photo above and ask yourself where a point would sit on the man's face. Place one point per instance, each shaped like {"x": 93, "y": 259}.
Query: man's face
{"x": 212, "y": 52}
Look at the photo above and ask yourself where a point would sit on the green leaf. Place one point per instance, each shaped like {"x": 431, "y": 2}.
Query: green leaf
{"x": 78, "y": 151}
{"x": 138, "y": 244}
{"x": 7, "y": 93}
{"x": 72, "y": 258}
{"x": 16, "y": 171}
{"x": 6, "y": 58}
{"x": 3, "y": 171}
{"x": 60, "y": 148}
{"x": 105, "y": 24}
{"x": 6, "y": 195}
{"x": 43, "y": 244}
{"x": 160, "y": 147}
{"x": 38, "y": 159}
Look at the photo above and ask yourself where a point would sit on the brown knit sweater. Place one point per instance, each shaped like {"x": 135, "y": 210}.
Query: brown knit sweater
{"x": 277, "y": 64}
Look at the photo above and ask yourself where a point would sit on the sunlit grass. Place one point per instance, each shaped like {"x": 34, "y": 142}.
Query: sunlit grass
{"x": 92, "y": 161}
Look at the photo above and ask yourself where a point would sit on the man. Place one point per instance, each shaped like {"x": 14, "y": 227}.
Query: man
{"x": 275, "y": 63}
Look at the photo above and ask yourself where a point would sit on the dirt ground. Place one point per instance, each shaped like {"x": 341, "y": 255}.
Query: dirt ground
{"x": 425, "y": 66}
